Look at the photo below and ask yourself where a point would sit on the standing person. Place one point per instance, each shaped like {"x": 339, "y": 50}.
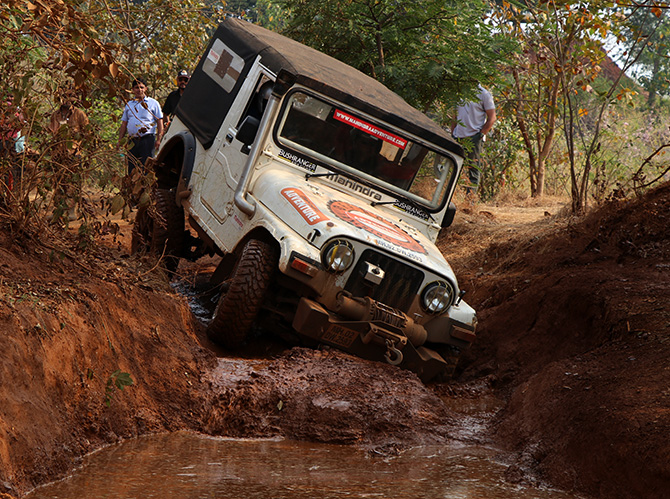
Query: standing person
{"x": 12, "y": 142}
{"x": 142, "y": 120}
{"x": 475, "y": 119}
{"x": 68, "y": 124}
{"x": 73, "y": 118}
{"x": 173, "y": 99}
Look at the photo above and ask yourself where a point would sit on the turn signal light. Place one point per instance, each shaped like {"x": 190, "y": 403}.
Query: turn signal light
{"x": 304, "y": 267}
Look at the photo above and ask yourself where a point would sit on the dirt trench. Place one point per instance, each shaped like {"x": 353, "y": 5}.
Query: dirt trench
{"x": 573, "y": 338}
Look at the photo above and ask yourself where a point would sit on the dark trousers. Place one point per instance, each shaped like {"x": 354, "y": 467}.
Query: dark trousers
{"x": 473, "y": 150}
{"x": 143, "y": 148}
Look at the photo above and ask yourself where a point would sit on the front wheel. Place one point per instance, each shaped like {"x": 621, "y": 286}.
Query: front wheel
{"x": 246, "y": 290}
{"x": 159, "y": 229}
{"x": 450, "y": 354}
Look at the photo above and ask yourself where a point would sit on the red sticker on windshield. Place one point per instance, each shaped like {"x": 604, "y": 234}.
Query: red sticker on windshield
{"x": 304, "y": 205}
{"x": 371, "y": 129}
{"x": 363, "y": 219}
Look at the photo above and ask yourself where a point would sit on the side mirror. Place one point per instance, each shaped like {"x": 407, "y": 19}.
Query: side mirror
{"x": 449, "y": 215}
{"x": 248, "y": 130}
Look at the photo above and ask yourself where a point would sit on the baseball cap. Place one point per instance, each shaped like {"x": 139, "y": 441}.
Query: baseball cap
{"x": 183, "y": 74}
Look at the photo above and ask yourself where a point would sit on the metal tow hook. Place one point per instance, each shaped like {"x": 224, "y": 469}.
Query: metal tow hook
{"x": 393, "y": 356}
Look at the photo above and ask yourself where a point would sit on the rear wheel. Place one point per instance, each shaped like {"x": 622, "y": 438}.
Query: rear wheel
{"x": 159, "y": 229}
{"x": 244, "y": 293}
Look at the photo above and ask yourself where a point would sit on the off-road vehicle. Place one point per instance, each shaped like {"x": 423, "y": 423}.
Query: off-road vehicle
{"x": 324, "y": 193}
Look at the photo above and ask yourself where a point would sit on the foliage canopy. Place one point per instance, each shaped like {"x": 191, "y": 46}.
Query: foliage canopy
{"x": 430, "y": 51}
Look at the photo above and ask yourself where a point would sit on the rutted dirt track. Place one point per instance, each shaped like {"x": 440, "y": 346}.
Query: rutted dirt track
{"x": 574, "y": 337}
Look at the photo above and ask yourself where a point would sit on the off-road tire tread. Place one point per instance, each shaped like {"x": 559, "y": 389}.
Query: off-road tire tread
{"x": 168, "y": 234}
{"x": 162, "y": 233}
{"x": 248, "y": 286}
{"x": 140, "y": 239}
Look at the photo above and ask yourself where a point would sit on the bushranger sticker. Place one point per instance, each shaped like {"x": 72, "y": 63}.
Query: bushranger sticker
{"x": 296, "y": 160}
{"x": 304, "y": 205}
{"x": 363, "y": 219}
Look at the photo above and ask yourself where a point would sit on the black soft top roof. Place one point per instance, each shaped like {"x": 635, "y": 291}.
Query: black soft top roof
{"x": 199, "y": 110}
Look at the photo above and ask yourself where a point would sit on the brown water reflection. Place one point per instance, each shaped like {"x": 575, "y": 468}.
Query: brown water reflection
{"x": 185, "y": 465}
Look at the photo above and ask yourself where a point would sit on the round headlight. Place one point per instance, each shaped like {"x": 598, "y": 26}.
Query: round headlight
{"x": 437, "y": 297}
{"x": 338, "y": 256}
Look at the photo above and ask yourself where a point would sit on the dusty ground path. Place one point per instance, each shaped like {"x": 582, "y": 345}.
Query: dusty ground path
{"x": 571, "y": 346}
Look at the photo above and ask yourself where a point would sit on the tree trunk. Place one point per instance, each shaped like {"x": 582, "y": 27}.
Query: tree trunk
{"x": 651, "y": 99}
{"x": 539, "y": 192}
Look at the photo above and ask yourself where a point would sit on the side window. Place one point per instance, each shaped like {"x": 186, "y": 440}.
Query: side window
{"x": 258, "y": 100}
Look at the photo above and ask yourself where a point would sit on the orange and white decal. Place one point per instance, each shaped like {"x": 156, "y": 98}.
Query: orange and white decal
{"x": 369, "y": 128}
{"x": 363, "y": 219}
{"x": 304, "y": 205}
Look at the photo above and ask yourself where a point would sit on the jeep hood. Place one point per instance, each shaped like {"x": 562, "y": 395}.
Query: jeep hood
{"x": 312, "y": 205}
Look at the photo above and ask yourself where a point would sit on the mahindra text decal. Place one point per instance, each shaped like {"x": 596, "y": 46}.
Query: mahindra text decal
{"x": 304, "y": 205}
{"x": 354, "y": 186}
{"x": 371, "y": 129}
{"x": 363, "y": 219}
{"x": 297, "y": 160}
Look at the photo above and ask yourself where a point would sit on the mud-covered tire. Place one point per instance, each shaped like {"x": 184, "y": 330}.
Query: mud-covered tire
{"x": 247, "y": 288}
{"x": 159, "y": 229}
{"x": 450, "y": 354}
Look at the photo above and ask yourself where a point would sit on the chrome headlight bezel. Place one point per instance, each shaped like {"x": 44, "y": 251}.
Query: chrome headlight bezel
{"x": 338, "y": 256}
{"x": 437, "y": 296}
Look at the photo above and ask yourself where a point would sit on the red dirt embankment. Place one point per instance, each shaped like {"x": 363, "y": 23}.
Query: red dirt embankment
{"x": 575, "y": 333}
{"x": 68, "y": 324}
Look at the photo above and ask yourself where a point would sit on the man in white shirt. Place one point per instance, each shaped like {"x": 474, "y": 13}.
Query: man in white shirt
{"x": 142, "y": 120}
{"x": 475, "y": 119}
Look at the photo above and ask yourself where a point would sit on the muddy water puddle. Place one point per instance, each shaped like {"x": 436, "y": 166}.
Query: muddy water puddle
{"x": 187, "y": 465}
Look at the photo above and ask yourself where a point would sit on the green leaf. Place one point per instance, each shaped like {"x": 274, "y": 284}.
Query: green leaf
{"x": 122, "y": 380}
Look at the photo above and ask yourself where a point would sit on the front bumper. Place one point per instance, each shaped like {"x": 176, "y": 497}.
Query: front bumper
{"x": 361, "y": 329}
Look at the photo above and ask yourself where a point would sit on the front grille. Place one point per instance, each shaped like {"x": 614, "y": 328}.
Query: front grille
{"x": 400, "y": 285}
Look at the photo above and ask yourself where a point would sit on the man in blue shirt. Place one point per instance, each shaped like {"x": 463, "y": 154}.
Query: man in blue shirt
{"x": 142, "y": 120}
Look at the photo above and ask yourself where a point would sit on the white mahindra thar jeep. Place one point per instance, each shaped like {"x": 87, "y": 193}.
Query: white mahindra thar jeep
{"x": 324, "y": 193}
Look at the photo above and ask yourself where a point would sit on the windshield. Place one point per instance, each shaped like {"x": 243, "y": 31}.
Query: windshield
{"x": 334, "y": 135}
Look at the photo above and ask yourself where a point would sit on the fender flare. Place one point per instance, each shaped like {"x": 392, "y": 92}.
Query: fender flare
{"x": 171, "y": 174}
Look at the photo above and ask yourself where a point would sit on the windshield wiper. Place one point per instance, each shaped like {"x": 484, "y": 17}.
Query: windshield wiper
{"x": 311, "y": 175}
{"x": 413, "y": 204}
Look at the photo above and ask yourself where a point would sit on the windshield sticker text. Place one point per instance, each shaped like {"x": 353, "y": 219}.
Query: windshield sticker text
{"x": 354, "y": 186}
{"x": 370, "y": 129}
{"x": 376, "y": 225}
{"x": 412, "y": 210}
{"x": 304, "y": 206}
{"x": 297, "y": 160}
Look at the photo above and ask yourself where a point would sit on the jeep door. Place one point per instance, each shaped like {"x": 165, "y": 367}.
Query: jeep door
{"x": 229, "y": 153}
